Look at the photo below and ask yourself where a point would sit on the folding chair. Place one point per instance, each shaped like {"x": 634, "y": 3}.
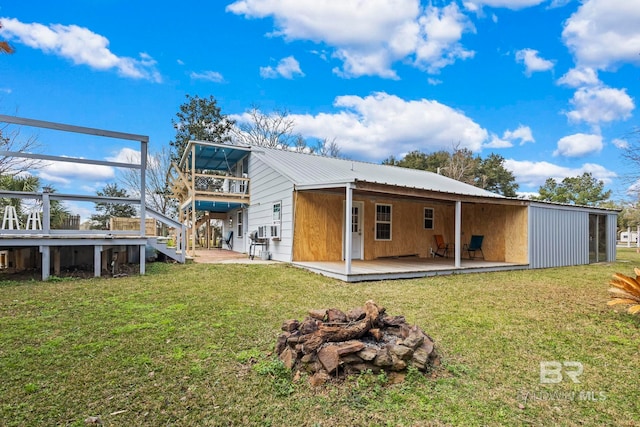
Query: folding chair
{"x": 442, "y": 248}
{"x": 229, "y": 240}
{"x": 475, "y": 245}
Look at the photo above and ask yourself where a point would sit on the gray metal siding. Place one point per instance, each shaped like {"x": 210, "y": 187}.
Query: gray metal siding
{"x": 558, "y": 237}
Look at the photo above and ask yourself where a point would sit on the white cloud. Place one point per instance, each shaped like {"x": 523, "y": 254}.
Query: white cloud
{"x": 434, "y": 82}
{"x": 532, "y": 61}
{"x": 579, "y": 145}
{"x": 81, "y": 46}
{"x": 288, "y": 68}
{"x": 534, "y": 174}
{"x": 209, "y": 76}
{"x": 126, "y": 155}
{"x": 603, "y": 34}
{"x": 66, "y": 173}
{"x": 600, "y": 104}
{"x": 497, "y": 142}
{"x": 522, "y": 133}
{"x": 476, "y": 5}
{"x": 379, "y": 125}
{"x": 369, "y": 36}
{"x": 577, "y": 77}
{"x": 620, "y": 143}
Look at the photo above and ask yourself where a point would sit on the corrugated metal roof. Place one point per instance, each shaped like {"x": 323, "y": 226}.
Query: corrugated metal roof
{"x": 311, "y": 170}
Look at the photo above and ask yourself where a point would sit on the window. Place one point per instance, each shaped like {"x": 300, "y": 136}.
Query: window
{"x": 239, "y": 223}
{"x": 428, "y": 218}
{"x": 277, "y": 212}
{"x": 383, "y": 222}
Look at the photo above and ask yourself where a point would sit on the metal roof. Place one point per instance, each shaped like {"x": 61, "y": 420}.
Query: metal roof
{"x": 308, "y": 170}
{"x": 212, "y": 156}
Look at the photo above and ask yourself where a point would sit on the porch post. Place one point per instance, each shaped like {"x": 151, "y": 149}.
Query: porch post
{"x": 46, "y": 212}
{"x": 193, "y": 200}
{"x": 628, "y": 237}
{"x": 458, "y": 230}
{"x": 46, "y": 261}
{"x": 143, "y": 189}
{"x": 348, "y": 207}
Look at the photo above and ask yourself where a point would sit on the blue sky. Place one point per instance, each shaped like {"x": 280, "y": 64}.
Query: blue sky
{"x": 550, "y": 85}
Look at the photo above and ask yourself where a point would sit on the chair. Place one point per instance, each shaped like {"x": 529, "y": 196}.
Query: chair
{"x": 229, "y": 240}
{"x": 10, "y": 220}
{"x": 475, "y": 245}
{"x": 442, "y": 248}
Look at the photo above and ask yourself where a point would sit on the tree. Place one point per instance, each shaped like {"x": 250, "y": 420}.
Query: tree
{"x": 106, "y": 210}
{"x": 157, "y": 194}
{"x": 5, "y": 47}
{"x": 273, "y": 130}
{"x": 328, "y": 148}
{"x": 584, "y": 190}
{"x": 11, "y": 140}
{"x": 493, "y": 176}
{"x": 199, "y": 119}
{"x": 26, "y": 183}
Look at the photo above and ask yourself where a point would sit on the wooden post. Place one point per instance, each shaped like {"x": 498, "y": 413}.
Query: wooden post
{"x": 347, "y": 228}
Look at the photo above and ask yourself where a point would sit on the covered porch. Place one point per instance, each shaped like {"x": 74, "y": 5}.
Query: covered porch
{"x": 404, "y": 268}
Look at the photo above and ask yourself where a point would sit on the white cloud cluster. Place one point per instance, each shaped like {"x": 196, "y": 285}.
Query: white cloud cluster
{"x": 534, "y": 174}
{"x": 208, "y": 76}
{"x": 579, "y": 145}
{"x": 532, "y": 61}
{"x": 379, "y": 125}
{"x": 287, "y": 68}
{"x": 66, "y": 173}
{"x": 81, "y": 46}
{"x": 476, "y": 5}
{"x": 521, "y": 133}
{"x": 582, "y": 76}
{"x": 595, "y": 105}
{"x": 368, "y": 36}
{"x": 603, "y": 34}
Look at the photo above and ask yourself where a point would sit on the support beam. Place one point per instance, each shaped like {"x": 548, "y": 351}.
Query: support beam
{"x": 97, "y": 261}
{"x": 458, "y": 233}
{"x": 347, "y": 228}
{"x": 46, "y": 213}
{"x": 143, "y": 259}
{"x": 46, "y": 261}
{"x": 143, "y": 187}
{"x": 193, "y": 201}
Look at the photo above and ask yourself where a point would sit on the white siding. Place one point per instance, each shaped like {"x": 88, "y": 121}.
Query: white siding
{"x": 268, "y": 187}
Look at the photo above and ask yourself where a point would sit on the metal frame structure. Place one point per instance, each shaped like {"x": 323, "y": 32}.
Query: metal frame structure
{"x": 47, "y": 238}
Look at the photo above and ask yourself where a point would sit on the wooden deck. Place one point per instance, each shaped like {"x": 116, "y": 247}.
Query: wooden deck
{"x": 404, "y": 268}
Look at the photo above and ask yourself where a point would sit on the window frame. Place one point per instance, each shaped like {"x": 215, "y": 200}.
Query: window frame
{"x": 379, "y": 222}
{"x": 240, "y": 223}
{"x": 431, "y": 218}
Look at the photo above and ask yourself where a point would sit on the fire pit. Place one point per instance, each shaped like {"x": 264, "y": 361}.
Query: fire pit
{"x": 330, "y": 342}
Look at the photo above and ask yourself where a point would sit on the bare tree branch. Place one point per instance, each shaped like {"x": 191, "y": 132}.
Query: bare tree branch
{"x": 273, "y": 130}
{"x": 10, "y": 140}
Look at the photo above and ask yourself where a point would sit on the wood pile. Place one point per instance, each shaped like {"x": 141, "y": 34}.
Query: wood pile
{"x": 330, "y": 343}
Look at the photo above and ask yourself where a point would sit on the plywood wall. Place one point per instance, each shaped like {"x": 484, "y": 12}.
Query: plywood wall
{"x": 318, "y": 226}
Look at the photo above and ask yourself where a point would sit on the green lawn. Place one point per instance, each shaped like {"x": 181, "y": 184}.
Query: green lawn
{"x": 191, "y": 345}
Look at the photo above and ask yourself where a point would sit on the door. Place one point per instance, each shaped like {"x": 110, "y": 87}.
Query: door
{"x": 357, "y": 237}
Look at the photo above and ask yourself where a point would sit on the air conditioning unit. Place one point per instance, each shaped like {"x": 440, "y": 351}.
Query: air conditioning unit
{"x": 262, "y": 232}
{"x": 275, "y": 232}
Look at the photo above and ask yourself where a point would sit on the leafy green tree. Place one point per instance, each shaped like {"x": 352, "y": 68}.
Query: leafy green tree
{"x": 493, "y": 176}
{"x": 27, "y": 183}
{"x": 584, "y": 190}
{"x": 106, "y": 210}
{"x": 199, "y": 119}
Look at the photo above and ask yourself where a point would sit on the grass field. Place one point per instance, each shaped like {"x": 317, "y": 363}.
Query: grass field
{"x": 191, "y": 345}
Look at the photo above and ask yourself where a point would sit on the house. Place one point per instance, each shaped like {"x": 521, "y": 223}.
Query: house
{"x": 361, "y": 221}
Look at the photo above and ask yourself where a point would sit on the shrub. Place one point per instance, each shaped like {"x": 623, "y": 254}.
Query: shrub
{"x": 626, "y": 290}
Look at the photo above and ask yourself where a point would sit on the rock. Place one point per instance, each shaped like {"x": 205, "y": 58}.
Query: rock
{"x": 419, "y": 358}
{"x": 355, "y": 314}
{"x": 319, "y": 378}
{"x": 376, "y": 333}
{"x": 318, "y": 314}
{"x": 281, "y": 343}
{"x": 414, "y": 339}
{"x": 308, "y": 358}
{"x": 288, "y": 357}
{"x": 329, "y": 358}
{"x": 308, "y": 326}
{"x": 355, "y": 368}
{"x": 367, "y": 353}
{"x": 290, "y": 325}
{"x": 427, "y": 345}
{"x": 350, "y": 359}
{"x": 348, "y": 347}
{"x": 383, "y": 358}
{"x": 393, "y": 320}
{"x": 336, "y": 316}
{"x": 402, "y": 351}
{"x": 397, "y": 364}
{"x": 92, "y": 420}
